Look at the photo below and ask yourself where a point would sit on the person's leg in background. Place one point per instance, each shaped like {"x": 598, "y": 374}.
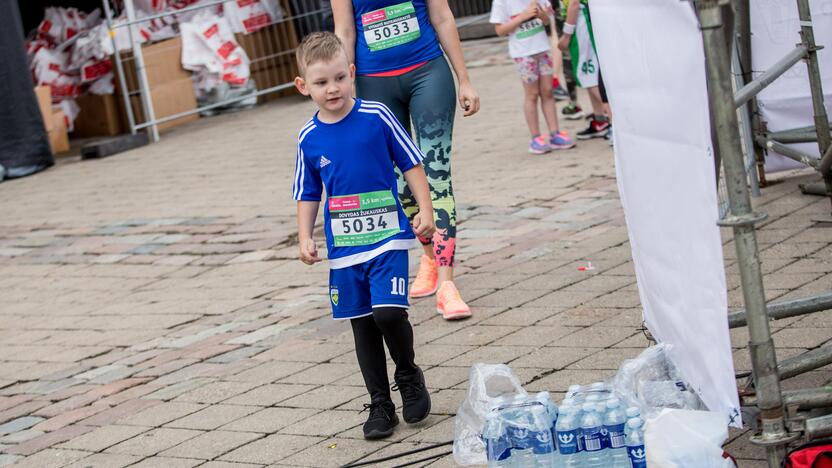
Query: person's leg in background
{"x": 556, "y": 139}
{"x": 432, "y": 108}
{"x": 530, "y": 77}
{"x": 571, "y": 111}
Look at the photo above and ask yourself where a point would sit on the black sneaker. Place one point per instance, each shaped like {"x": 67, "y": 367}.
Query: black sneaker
{"x": 596, "y": 129}
{"x": 381, "y": 421}
{"x": 415, "y": 397}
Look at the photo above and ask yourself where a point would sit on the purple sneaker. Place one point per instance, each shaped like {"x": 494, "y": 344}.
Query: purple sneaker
{"x": 561, "y": 141}
{"x": 538, "y": 145}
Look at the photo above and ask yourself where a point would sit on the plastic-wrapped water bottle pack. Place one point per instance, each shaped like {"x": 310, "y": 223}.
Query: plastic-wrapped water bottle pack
{"x": 590, "y": 429}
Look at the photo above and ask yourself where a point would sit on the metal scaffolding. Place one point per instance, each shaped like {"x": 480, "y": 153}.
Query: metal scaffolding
{"x": 782, "y": 417}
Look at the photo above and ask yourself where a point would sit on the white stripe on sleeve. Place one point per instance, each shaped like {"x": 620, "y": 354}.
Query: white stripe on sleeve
{"x": 396, "y": 126}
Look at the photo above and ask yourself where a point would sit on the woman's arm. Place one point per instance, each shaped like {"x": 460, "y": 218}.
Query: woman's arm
{"x": 445, "y": 25}
{"x": 342, "y": 15}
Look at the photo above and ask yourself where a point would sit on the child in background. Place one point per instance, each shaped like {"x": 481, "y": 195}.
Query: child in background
{"x": 350, "y": 147}
{"x": 528, "y": 44}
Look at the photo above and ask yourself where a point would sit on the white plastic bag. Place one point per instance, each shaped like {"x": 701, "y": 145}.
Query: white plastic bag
{"x": 211, "y": 52}
{"x": 653, "y": 383}
{"x": 683, "y": 439}
{"x": 248, "y": 16}
{"x": 487, "y": 384}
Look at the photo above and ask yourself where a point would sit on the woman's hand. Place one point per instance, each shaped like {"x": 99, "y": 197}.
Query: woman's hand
{"x": 563, "y": 42}
{"x": 469, "y": 100}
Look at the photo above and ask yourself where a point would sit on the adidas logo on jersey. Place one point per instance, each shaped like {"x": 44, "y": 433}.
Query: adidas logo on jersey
{"x": 324, "y": 161}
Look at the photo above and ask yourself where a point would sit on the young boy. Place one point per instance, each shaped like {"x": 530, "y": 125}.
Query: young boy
{"x": 528, "y": 44}
{"x": 349, "y": 147}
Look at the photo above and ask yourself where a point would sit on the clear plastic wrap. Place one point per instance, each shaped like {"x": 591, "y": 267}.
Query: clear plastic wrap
{"x": 652, "y": 383}
{"x": 488, "y": 385}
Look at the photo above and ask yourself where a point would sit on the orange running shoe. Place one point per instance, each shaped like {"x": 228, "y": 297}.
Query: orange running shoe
{"x": 425, "y": 283}
{"x": 450, "y": 304}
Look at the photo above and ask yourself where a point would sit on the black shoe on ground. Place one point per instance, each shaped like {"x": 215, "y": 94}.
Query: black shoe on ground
{"x": 415, "y": 397}
{"x": 596, "y": 129}
{"x": 381, "y": 421}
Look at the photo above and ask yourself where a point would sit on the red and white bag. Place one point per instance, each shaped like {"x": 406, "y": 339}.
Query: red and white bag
{"x": 209, "y": 49}
{"x": 49, "y": 67}
{"x": 248, "y": 16}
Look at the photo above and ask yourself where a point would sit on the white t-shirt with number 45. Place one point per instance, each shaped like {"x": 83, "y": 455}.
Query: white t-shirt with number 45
{"x": 527, "y": 40}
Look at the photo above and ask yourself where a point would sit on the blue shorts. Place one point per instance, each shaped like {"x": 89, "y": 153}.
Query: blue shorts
{"x": 379, "y": 282}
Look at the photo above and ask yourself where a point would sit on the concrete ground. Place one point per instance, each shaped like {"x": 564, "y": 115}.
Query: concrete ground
{"x": 154, "y": 314}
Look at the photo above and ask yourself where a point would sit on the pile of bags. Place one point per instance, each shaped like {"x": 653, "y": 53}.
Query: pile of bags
{"x": 70, "y": 50}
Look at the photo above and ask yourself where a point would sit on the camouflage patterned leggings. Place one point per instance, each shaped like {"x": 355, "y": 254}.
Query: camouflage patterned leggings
{"x": 425, "y": 97}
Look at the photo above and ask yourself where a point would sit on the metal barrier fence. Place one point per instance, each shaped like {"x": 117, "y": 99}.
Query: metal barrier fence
{"x": 779, "y": 428}
{"x": 157, "y": 93}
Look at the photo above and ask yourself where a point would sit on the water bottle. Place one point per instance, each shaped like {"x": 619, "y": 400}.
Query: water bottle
{"x": 496, "y": 446}
{"x": 552, "y": 417}
{"x": 591, "y": 427}
{"x": 632, "y": 412}
{"x": 614, "y": 423}
{"x": 635, "y": 444}
{"x": 567, "y": 432}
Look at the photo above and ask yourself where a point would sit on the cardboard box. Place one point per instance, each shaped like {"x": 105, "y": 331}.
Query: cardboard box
{"x": 274, "y": 76}
{"x": 162, "y": 63}
{"x": 58, "y": 137}
{"x": 99, "y": 116}
{"x": 272, "y": 46}
{"x": 44, "y": 95}
{"x": 168, "y": 99}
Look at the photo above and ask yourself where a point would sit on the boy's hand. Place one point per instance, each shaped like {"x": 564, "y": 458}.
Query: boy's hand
{"x": 309, "y": 252}
{"x": 423, "y": 224}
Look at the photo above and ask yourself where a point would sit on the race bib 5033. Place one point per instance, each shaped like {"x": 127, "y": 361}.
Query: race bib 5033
{"x": 391, "y": 26}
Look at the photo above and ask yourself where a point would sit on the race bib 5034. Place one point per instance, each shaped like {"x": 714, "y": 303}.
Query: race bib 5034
{"x": 364, "y": 218}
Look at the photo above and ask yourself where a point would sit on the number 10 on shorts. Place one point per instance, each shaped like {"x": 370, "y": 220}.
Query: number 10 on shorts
{"x": 399, "y": 286}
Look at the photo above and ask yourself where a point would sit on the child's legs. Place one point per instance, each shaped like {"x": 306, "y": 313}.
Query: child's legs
{"x": 432, "y": 108}
{"x": 387, "y": 275}
{"x": 530, "y": 77}
{"x": 369, "y": 349}
{"x": 349, "y": 294}
{"x": 547, "y": 100}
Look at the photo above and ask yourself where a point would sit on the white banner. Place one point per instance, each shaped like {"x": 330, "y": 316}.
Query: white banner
{"x": 651, "y": 58}
{"x": 786, "y": 103}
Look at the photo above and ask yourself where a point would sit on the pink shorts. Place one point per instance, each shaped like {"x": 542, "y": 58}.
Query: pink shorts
{"x": 533, "y": 67}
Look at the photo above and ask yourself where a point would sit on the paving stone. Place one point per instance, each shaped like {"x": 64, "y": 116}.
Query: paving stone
{"x": 216, "y": 392}
{"x": 490, "y": 354}
{"x": 327, "y": 423}
{"x": 269, "y": 372}
{"x": 115, "y": 413}
{"x": 324, "y": 397}
{"x": 22, "y": 436}
{"x": 332, "y": 452}
{"x": 596, "y": 337}
{"x": 211, "y": 444}
{"x": 103, "y": 437}
{"x": 19, "y": 424}
{"x": 212, "y": 417}
{"x": 161, "y": 414}
{"x": 554, "y": 358}
{"x": 269, "y": 395}
{"x": 445, "y": 377}
{"x": 172, "y": 391}
{"x": 221, "y": 464}
{"x": 51, "y": 458}
{"x": 49, "y": 439}
{"x": 538, "y": 335}
{"x": 105, "y": 460}
{"x": 6, "y": 460}
{"x": 321, "y": 374}
{"x": 167, "y": 462}
{"x": 270, "y": 449}
{"x": 153, "y": 442}
{"x": 477, "y": 335}
{"x": 269, "y": 420}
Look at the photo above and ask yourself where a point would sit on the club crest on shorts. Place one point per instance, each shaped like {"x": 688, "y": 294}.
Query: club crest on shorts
{"x": 333, "y": 294}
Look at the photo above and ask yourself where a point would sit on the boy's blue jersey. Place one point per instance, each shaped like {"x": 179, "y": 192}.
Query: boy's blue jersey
{"x": 392, "y": 34}
{"x": 354, "y": 160}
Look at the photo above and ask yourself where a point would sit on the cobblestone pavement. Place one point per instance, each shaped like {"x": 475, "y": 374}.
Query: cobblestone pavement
{"x": 153, "y": 313}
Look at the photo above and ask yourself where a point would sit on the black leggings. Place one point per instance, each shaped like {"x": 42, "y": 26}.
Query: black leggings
{"x": 390, "y": 325}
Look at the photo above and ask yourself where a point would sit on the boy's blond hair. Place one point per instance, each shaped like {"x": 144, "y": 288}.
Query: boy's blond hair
{"x": 318, "y": 47}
